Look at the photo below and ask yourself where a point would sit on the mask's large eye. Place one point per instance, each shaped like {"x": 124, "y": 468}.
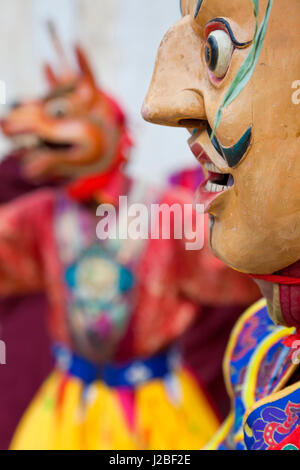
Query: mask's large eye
{"x": 218, "y": 52}
{"x": 57, "y": 108}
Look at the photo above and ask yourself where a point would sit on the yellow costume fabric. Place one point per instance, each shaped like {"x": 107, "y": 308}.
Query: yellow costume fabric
{"x": 67, "y": 415}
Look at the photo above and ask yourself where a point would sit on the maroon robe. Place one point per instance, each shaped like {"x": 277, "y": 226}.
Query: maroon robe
{"x": 22, "y": 328}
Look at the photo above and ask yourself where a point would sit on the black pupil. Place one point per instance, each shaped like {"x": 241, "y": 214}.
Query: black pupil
{"x": 211, "y": 53}
{"x": 60, "y": 112}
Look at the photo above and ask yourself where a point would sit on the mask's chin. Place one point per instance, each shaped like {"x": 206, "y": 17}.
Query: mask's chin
{"x": 38, "y": 165}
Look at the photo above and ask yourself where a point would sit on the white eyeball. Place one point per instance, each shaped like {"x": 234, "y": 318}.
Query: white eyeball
{"x": 218, "y": 52}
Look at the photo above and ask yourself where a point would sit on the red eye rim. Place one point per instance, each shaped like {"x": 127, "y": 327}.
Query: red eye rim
{"x": 223, "y": 25}
{"x": 216, "y": 80}
{"x": 214, "y": 26}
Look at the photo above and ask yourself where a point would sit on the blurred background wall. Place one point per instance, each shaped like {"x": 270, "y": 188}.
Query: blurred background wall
{"x": 121, "y": 38}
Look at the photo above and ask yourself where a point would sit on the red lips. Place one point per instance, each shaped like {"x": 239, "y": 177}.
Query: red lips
{"x": 202, "y": 196}
{"x": 199, "y": 153}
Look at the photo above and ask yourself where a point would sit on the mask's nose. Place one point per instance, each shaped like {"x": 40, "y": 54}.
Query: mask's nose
{"x": 175, "y": 95}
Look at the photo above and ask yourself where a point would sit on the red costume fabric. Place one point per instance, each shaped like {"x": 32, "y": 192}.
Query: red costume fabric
{"x": 30, "y": 261}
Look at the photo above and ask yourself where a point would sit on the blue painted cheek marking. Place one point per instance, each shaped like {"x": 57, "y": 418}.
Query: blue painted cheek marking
{"x": 233, "y": 155}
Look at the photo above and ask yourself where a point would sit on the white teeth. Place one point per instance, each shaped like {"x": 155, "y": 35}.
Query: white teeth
{"x": 212, "y": 168}
{"x": 26, "y": 141}
{"x": 214, "y": 188}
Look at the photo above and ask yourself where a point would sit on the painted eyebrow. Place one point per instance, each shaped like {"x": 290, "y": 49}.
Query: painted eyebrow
{"x": 240, "y": 45}
{"x": 198, "y": 6}
{"x": 60, "y": 92}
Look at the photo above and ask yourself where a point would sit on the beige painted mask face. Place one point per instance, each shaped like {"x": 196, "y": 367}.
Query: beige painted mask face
{"x": 253, "y": 166}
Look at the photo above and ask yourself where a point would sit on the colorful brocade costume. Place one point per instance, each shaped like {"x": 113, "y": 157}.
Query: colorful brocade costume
{"x": 258, "y": 366}
{"x": 48, "y": 241}
{"x": 126, "y": 312}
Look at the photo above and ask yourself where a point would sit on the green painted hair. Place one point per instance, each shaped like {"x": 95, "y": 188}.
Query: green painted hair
{"x": 245, "y": 72}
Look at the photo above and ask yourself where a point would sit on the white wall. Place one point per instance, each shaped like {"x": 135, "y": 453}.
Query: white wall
{"x": 121, "y": 37}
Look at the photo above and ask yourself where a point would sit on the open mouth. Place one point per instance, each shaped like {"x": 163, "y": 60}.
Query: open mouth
{"x": 32, "y": 142}
{"x": 55, "y": 146}
{"x": 217, "y": 181}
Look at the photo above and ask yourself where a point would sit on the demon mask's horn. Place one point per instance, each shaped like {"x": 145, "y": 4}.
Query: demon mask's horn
{"x": 84, "y": 65}
{"x": 66, "y": 70}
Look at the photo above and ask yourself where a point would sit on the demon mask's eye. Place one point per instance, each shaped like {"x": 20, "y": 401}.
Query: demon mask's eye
{"x": 57, "y": 108}
{"x": 218, "y": 52}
